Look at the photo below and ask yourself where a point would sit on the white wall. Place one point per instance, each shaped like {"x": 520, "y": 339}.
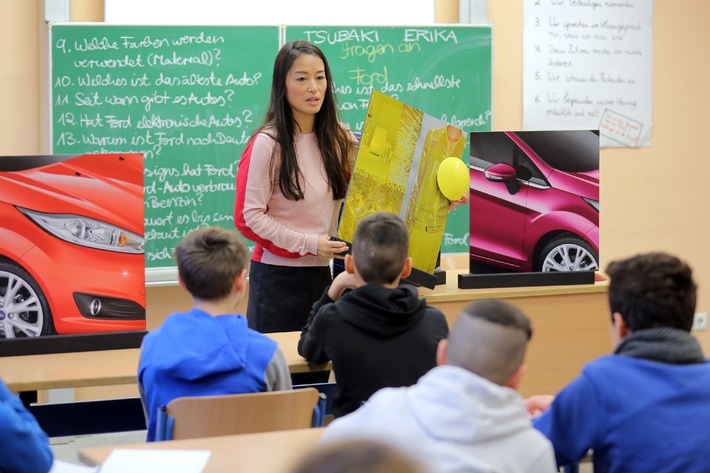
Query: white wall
{"x": 270, "y": 12}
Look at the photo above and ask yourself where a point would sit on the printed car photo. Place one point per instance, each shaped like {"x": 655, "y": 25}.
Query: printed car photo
{"x": 71, "y": 244}
{"x": 534, "y": 201}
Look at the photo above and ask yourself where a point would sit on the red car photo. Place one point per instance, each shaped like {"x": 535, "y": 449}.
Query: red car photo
{"x": 71, "y": 244}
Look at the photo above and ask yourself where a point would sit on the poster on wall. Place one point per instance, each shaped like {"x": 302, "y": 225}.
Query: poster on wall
{"x": 534, "y": 201}
{"x": 401, "y": 148}
{"x": 588, "y": 65}
{"x": 72, "y": 245}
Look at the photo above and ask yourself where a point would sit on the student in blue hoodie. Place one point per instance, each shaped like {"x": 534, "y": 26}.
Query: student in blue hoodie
{"x": 24, "y": 447}
{"x": 646, "y": 407}
{"x": 379, "y": 333}
{"x": 209, "y": 350}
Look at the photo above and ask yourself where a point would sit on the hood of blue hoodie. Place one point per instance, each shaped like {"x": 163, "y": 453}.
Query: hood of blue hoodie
{"x": 382, "y": 311}
{"x": 207, "y": 345}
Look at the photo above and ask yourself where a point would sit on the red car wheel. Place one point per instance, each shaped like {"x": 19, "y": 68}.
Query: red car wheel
{"x": 24, "y": 311}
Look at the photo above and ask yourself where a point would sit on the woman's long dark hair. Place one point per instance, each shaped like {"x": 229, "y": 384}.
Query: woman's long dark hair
{"x": 334, "y": 142}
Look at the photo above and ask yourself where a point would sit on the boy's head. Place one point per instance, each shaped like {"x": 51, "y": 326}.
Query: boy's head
{"x": 489, "y": 339}
{"x": 380, "y": 247}
{"x": 652, "y": 290}
{"x": 209, "y": 260}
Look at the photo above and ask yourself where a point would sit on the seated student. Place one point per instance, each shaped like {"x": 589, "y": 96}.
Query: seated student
{"x": 24, "y": 447}
{"x": 380, "y": 333}
{"x": 646, "y": 408}
{"x": 208, "y": 350}
{"x": 464, "y": 415}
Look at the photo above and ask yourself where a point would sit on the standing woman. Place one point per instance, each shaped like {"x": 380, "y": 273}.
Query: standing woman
{"x": 291, "y": 180}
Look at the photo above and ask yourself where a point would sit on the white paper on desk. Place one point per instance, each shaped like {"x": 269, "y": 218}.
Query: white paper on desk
{"x": 122, "y": 460}
{"x": 60, "y": 466}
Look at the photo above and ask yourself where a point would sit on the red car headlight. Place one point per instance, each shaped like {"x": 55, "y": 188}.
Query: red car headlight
{"x": 87, "y": 231}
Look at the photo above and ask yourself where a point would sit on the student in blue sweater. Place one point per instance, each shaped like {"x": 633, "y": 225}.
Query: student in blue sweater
{"x": 208, "y": 350}
{"x": 24, "y": 447}
{"x": 646, "y": 408}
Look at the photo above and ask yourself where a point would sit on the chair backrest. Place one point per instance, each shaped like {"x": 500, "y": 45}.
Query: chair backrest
{"x": 327, "y": 391}
{"x": 211, "y": 416}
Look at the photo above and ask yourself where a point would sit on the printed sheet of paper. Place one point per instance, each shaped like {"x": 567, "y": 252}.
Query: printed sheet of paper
{"x": 396, "y": 170}
{"x": 60, "y": 466}
{"x": 588, "y": 65}
{"x": 155, "y": 461}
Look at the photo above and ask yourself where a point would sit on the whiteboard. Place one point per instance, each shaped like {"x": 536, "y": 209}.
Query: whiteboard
{"x": 270, "y": 12}
{"x": 588, "y": 66}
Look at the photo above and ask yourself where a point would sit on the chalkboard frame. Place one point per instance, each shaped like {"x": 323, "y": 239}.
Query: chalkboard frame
{"x": 167, "y": 274}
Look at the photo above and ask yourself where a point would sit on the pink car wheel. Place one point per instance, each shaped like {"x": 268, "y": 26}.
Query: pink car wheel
{"x": 568, "y": 253}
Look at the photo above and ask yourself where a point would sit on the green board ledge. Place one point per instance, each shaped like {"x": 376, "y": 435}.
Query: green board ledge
{"x": 162, "y": 276}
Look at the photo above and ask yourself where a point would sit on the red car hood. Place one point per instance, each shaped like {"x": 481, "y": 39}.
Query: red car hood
{"x": 107, "y": 187}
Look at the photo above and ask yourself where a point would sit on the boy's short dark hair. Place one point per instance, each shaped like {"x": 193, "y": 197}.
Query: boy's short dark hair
{"x": 380, "y": 247}
{"x": 208, "y": 261}
{"x": 652, "y": 290}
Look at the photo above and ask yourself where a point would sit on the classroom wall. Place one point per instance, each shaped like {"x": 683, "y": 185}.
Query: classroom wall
{"x": 652, "y": 198}
{"x": 19, "y": 76}
{"x": 87, "y": 10}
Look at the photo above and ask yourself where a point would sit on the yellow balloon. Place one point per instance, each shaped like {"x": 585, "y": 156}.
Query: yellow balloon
{"x": 453, "y": 178}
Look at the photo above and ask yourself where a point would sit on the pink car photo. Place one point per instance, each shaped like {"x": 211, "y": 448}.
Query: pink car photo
{"x": 534, "y": 201}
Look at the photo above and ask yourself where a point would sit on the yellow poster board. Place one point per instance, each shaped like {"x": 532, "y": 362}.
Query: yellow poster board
{"x": 401, "y": 149}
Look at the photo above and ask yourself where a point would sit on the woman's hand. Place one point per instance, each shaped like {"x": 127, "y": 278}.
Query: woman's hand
{"x": 330, "y": 248}
{"x": 462, "y": 201}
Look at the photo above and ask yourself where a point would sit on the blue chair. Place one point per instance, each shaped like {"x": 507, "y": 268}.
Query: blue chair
{"x": 327, "y": 394}
{"x": 229, "y": 414}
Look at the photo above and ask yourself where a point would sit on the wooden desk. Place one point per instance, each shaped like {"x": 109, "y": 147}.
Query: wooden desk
{"x": 288, "y": 341}
{"x": 451, "y": 300}
{"x": 113, "y": 368}
{"x": 271, "y": 452}
{"x": 570, "y": 326}
{"x": 108, "y": 367}
{"x": 69, "y": 370}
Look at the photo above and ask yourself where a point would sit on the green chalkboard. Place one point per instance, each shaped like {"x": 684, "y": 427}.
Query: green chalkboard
{"x": 444, "y": 71}
{"x": 187, "y": 97}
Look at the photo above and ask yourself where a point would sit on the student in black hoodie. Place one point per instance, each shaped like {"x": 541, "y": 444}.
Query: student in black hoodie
{"x": 376, "y": 332}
